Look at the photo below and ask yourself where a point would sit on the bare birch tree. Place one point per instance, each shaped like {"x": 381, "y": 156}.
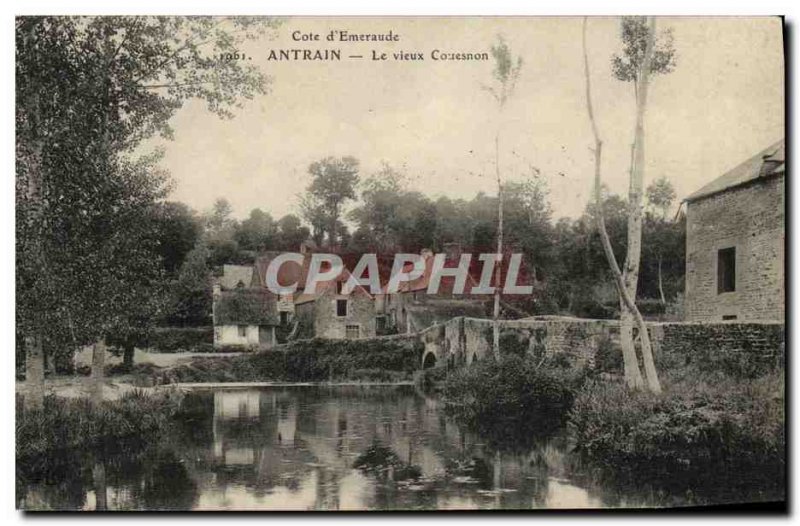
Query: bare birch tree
{"x": 506, "y": 73}
{"x": 641, "y": 60}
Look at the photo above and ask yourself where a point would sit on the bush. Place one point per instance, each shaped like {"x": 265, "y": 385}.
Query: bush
{"x": 696, "y": 427}
{"x": 512, "y": 391}
{"x": 67, "y": 426}
{"x": 308, "y": 361}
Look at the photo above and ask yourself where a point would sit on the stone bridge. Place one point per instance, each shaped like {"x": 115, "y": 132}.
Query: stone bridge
{"x": 463, "y": 341}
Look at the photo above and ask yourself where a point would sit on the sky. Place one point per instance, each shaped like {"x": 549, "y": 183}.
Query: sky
{"x": 434, "y": 121}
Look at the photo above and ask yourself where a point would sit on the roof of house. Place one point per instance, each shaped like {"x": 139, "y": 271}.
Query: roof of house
{"x": 447, "y": 283}
{"x": 246, "y": 307}
{"x": 291, "y": 272}
{"x": 767, "y": 162}
{"x": 232, "y": 275}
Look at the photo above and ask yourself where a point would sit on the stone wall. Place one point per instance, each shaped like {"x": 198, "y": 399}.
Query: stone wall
{"x": 360, "y": 312}
{"x": 736, "y": 349}
{"x": 739, "y": 349}
{"x": 751, "y": 219}
{"x": 465, "y": 340}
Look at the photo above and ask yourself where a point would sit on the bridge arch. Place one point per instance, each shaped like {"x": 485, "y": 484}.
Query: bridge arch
{"x": 429, "y": 360}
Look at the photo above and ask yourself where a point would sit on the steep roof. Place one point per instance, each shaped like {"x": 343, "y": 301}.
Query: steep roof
{"x": 767, "y": 162}
{"x": 246, "y": 307}
{"x": 291, "y": 272}
{"x": 233, "y": 274}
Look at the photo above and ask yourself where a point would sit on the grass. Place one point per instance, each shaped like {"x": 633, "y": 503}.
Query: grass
{"x": 66, "y": 427}
{"x": 307, "y": 361}
{"x": 706, "y": 431}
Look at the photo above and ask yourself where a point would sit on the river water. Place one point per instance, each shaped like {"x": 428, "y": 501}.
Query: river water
{"x": 333, "y": 448}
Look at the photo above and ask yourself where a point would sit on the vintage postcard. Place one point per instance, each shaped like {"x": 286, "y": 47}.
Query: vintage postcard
{"x": 400, "y": 263}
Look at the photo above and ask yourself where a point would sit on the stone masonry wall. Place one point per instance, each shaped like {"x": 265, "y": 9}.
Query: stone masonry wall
{"x": 360, "y": 312}
{"x": 738, "y": 349}
{"x": 750, "y": 218}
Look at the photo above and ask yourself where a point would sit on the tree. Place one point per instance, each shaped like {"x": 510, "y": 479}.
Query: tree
{"x": 191, "y": 292}
{"x": 178, "y": 230}
{"x": 636, "y": 66}
{"x": 660, "y": 195}
{"x": 258, "y": 232}
{"x": 291, "y": 233}
{"x": 665, "y": 239}
{"x": 506, "y": 73}
{"x": 89, "y": 90}
{"x": 333, "y": 183}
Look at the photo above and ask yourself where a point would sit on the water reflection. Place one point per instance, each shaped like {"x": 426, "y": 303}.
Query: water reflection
{"x": 325, "y": 448}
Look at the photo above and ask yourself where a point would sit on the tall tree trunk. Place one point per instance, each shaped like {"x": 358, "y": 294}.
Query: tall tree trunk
{"x": 499, "y": 256}
{"x": 34, "y": 353}
{"x": 661, "y": 283}
{"x": 100, "y": 486}
{"x": 34, "y": 372}
{"x": 634, "y": 248}
{"x": 632, "y": 372}
{"x": 98, "y": 372}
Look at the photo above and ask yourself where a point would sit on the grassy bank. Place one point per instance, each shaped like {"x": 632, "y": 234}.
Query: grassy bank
{"x": 706, "y": 430}
{"x": 702, "y": 428}
{"x": 65, "y": 428}
{"x": 308, "y": 361}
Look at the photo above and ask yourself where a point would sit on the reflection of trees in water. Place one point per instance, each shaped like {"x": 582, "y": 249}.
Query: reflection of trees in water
{"x": 403, "y": 448}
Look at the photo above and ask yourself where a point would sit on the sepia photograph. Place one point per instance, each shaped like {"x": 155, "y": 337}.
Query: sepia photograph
{"x": 399, "y": 263}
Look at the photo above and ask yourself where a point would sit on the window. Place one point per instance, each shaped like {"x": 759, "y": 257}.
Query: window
{"x": 726, "y": 317}
{"x": 351, "y": 332}
{"x": 242, "y": 331}
{"x": 341, "y": 308}
{"x": 339, "y": 287}
{"x": 726, "y": 270}
{"x": 284, "y": 318}
{"x": 380, "y": 323}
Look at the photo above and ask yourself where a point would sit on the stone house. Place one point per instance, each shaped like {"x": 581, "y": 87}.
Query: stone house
{"x": 243, "y": 316}
{"x": 335, "y": 315}
{"x": 735, "y": 242}
{"x": 412, "y": 309}
{"x": 325, "y": 314}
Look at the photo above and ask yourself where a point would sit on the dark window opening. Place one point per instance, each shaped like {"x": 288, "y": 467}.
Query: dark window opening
{"x": 284, "y": 318}
{"x": 726, "y": 270}
{"x": 339, "y": 287}
{"x": 242, "y": 331}
{"x": 380, "y": 323}
{"x": 341, "y": 308}
{"x": 729, "y": 317}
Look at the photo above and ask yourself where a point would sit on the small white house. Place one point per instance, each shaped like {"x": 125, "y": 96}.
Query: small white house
{"x": 244, "y": 318}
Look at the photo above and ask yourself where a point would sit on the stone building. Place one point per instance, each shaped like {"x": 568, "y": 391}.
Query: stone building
{"x": 327, "y": 313}
{"x": 412, "y": 308}
{"x": 334, "y": 315}
{"x": 244, "y": 316}
{"x": 735, "y": 242}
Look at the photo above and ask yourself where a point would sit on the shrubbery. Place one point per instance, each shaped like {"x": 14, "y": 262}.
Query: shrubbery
{"x": 67, "y": 426}
{"x": 514, "y": 391}
{"x": 695, "y": 428}
{"x": 309, "y": 361}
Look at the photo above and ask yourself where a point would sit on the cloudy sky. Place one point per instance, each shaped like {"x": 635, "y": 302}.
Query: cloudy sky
{"x": 433, "y": 120}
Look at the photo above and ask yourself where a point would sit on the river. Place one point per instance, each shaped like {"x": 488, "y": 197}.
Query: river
{"x": 333, "y": 448}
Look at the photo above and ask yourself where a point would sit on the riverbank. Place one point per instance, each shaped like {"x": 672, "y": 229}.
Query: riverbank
{"x": 707, "y": 424}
